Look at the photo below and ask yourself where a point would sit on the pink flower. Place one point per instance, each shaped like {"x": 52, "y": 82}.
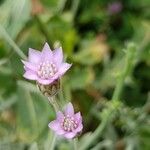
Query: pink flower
{"x": 67, "y": 124}
{"x": 114, "y": 8}
{"x": 46, "y": 66}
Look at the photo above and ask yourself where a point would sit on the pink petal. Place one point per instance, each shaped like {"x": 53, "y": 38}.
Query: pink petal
{"x": 79, "y": 129}
{"x": 44, "y": 81}
{"x": 60, "y": 116}
{"x": 29, "y": 65}
{"x": 70, "y": 135}
{"x": 34, "y": 56}
{"x": 30, "y": 75}
{"x": 60, "y": 131}
{"x": 26, "y": 68}
{"x": 78, "y": 117}
{"x": 56, "y": 76}
{"x": 54, "y": 125}
{"x": 47, "y": 53}
{"x": 58, "y": 56}
{"x": 63, "y": 68}
{"x": 69, "y": 110}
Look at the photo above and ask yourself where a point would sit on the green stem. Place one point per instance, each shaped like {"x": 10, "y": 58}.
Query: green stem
{"x": 128, "y": 68}
{"x": 60, "y": 94}
{"x": 12, "y": 43}
{"x": 53, "y": 102}
{"x": 52, "y": 145}
{"x": 75, "y": 141}
{"x": 130, "y": 53}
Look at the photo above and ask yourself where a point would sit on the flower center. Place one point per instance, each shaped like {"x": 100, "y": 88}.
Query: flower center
{"x": 46, "y": 70}
{"x": 69, "y": 124}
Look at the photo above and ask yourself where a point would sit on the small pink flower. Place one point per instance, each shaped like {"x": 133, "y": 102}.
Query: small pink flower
{"x": 115, "y": 7}
{"x": 67, "y": 124}
{"x": 46, "y": 66}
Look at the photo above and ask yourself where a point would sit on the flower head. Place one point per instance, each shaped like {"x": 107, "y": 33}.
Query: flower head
{"x": 45, "y": 66}
{"x": 114, "y": 8}
{"x": 67, "y": 124}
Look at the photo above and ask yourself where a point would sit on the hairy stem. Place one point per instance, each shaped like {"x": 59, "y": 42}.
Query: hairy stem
{"x": 128, "y": 68}
{"x": 130, "y": 53}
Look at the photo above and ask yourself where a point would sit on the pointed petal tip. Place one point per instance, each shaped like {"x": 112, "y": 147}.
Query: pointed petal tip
{"x": 69, "y": 110}
{"x": 46, "y": 52}
{"x": 64, "y": 68}
{"x": 33, "y": 51}
{"x": 30, "y": 75}
{"x": 69, "y": 105}
{"x": 22, "y": 61}
{"x": 60, "y": 48}
{"x": 58, "y": 56}
{"x": 49, "y": 125}
{"x": 70, "y": 65}
{"x": 46, "y": 45}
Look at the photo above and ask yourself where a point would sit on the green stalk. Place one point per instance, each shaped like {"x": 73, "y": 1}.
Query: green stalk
{"x": 128, "y": 68}
{"x": 130, "y": 53}
{"x": 52, "y": 145}
{"x": 6, "y": 36}
{"x": 75, "y": 141}
{"x": 53, "y": 102}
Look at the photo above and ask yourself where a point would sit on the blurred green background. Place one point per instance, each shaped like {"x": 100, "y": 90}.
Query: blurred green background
{"x": 93, "y": 34}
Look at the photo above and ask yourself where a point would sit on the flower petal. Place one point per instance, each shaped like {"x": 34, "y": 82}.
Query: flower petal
{"x": 58, "y": 56}
{"x": 63, "y": 68}
{"x": 69, "y": 110}
{"x": 60, "y": 131}
{"x": 30, "y": 75}
{"x": 55, "y": 77}
{"x": 60, "y": 116}
{"x": 70, "y": 135}
{"x": 54, "y": 125}
{"x": 29, "y": 65}
{"x": 78, "y": 117}
{"x": 34, "y": 56}
{"x": 47, "y": 53}
{"x": 79, "y": 128}
{"x": 44, "y": 81}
